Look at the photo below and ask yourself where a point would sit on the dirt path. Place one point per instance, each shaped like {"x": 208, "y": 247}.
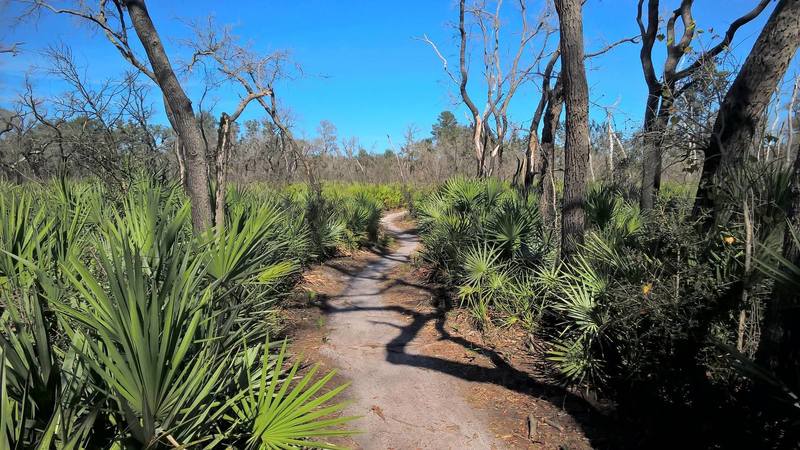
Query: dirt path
{"x": 404, "y": 406}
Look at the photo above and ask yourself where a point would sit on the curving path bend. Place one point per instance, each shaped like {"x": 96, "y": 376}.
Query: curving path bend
{"x": 402, "y": 406}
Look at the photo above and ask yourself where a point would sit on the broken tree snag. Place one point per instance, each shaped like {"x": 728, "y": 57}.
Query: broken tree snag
{"x": 547, "y": 156}
{"x": 221, "y": 158}
{"x": 534, "y": 149}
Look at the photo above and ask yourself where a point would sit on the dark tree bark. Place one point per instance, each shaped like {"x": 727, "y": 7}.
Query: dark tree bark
{"x": 576, "y": 144}
{"x": 649, "y": 170}
{"x": 222, "y": 153}
{"x": 546, "y": 159}
{"x": 747, "y": 98}
{"x": 533, "y": 153}
{"x": 182, "y": 115}
{"x": 661, "y": 93}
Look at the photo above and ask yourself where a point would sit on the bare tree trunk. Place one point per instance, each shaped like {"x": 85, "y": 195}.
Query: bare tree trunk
{"x": 478, "y": 140}
{"x": 773, "y": 131}
{"x": 532, "y": 161}
{"x": 181, "y": 165}
{"x": 790, "y": 121}
{"x": 477, "y": 118}
{"x": 661, "y": 94}
{"x": 661, "y": 97}
{"x": 748, "y": 269}
{"x": 221, "y": 159}
{"x": 181, "y": 108}
{"x": 400, "y": 168}
{"x": 576, "y": 144}
{"x": 610, "y": 131}
{"x": 546, "y": 166}
{"x": 747, "y": 98}
{"x": 533, "y": 151}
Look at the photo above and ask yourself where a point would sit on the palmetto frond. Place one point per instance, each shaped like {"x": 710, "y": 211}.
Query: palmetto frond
{"x": 282, "y": 410}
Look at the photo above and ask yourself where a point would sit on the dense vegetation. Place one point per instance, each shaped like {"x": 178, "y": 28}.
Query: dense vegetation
{"x": 122, "y": 329}
{"x": 657, "y": 267}
{"x": 652, "y": 312}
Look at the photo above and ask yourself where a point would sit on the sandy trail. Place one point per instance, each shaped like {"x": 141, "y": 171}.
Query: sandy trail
{"x": 403, "y": 406}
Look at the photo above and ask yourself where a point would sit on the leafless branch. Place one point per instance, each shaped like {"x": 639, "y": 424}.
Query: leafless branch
{"x": 13, "y": 48}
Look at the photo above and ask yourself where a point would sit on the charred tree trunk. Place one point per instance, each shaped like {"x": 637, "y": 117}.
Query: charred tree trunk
{"x": 655, "y": 128}
{"x": 221, "y": 159}
{"x": 660, "y": 95}
{"x": 181, "y": 110}
{"x": 744, "y": 104}
{"x": 546, "y": 166}
{"x": 533, "y": 152}
{"x": 651, "y": 152}
{"x": 576, "y": 144}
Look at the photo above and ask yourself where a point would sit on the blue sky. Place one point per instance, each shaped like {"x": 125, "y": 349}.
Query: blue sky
{"x": 365, "y": 71}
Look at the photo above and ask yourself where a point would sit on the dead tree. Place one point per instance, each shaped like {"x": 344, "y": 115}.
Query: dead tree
{"x": 662, "y": 92}
{"x": 533, "y": 155}
{"x": 505, "y": 85}
{"x": 256, "y": 75}
{"x": 93, "y": 120}
{"x": 110, "y": 18}
{"x": 478, "y": 117}
{"x": 233, "y": 63}
{"x": 547, "y": 155}
{"x": 501, "y": 82}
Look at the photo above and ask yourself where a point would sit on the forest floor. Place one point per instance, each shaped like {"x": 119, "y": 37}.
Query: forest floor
{"x": 422, "y": 377}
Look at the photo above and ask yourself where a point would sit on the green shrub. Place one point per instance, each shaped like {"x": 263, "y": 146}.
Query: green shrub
{"x": 122, "y": 329}
{"x": 487, "y": 240}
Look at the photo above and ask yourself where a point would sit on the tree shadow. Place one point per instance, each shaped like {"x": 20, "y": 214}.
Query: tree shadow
{"x": 600, "y": 429}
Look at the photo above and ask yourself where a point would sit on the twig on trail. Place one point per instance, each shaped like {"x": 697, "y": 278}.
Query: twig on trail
{"x": 429, "y": 428}
{"x": 533, "y": 424}
{"x": 554, "y": 424}
{"x": 378, "y": 411}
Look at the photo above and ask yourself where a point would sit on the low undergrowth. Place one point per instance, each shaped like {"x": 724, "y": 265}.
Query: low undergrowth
{"x": 120, "y": 328}
{"x": 652, "y": 313}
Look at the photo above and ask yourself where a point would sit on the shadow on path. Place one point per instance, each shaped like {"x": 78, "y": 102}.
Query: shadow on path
{"x": 595, "y": 426}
